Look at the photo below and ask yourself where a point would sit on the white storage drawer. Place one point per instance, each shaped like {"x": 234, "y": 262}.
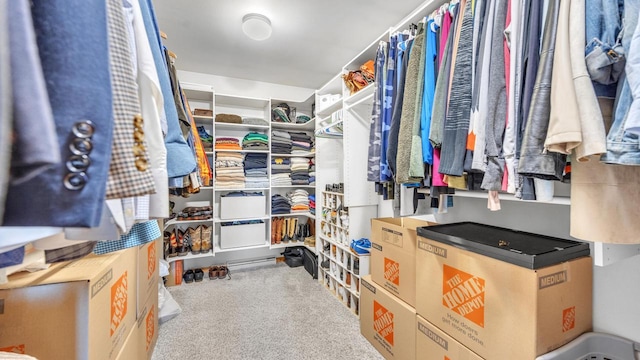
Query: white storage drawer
{"x": 234, "y": 236}
{"x": 242, "y": 207}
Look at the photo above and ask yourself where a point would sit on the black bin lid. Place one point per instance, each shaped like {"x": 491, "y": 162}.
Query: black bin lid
{"x": 532, "y": 251}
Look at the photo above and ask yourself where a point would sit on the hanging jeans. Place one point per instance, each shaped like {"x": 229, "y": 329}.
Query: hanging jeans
{"x": 624, "y": 147}
{"x": 604, "y": 52}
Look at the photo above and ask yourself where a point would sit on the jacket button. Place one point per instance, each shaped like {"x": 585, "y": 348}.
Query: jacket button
{"x": 78, "y": 163}
{"x": 83, "y": 129}
{"x": 75, "y": 181}
{"x": 81, "y": 146}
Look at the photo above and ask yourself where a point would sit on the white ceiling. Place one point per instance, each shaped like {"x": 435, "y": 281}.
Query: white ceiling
{"x": 311, "y": 40}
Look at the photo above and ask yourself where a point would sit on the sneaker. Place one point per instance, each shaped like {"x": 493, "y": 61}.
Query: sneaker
{"x": 356, "y": 267}
{"x": 325, "y": 264}
{"x": 198, "y": 275}
{"x": 361, "y": 246}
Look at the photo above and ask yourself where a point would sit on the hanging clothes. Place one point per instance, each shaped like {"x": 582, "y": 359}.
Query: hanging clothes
{"x": 75, "y": 66}
{"x": 385, "y": 171}
{"x": 497, "y": 102}
{"x": 409, "y": 144}
{"x": 456, "y": 125}
{"x": 534, "y": 162}
{"x": 6, "y": 121}
{"x": 375, "y": 131}
{"x": 399, "y": 74}
{"x": 430, "y": 65}
{"x": 129, "y": 173}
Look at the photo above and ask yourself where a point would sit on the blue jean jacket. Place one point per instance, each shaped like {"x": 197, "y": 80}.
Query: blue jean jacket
{"x": 623, "y": 147}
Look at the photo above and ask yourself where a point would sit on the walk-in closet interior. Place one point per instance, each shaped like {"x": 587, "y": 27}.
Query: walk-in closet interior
{"x": 418, "y": 179}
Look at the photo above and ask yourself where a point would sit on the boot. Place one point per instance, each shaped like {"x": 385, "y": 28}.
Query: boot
{"x": 170, "y": 239}
{"x": 196, "y": 239}
{"x": 207, "y": 242}
{"x": 293, "y": 222}
{"x": 273, "y": 230}
{"x": 182, "y": 238}
{"x": 285, "y": 230}
{"x": 278, "y": 234}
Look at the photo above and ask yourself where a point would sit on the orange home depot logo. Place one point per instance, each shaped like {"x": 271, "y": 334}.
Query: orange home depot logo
{"x": 18, "y": 349}
{"x": 464, "y": 294}
{"x": 392, "y": 271}
{"x": 568, "y": 319}
{"x": 150, "y": 327}
{"x": 151, "y": 260}
{"x": 119, "y": 302}
{"x": 446, "y": 357}
{"x": 383, "y": 322}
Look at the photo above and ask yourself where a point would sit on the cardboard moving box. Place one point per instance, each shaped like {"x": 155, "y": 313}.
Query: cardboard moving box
{"x": 84, "y": 309}
{"x": 497, "y": 309}
{"x": 148, "y": 265}
{"x": 393, "y": 255}
{"x": 433, "y": 343}
{"x": 387, "y": 322}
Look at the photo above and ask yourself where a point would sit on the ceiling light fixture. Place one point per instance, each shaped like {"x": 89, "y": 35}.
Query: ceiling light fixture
{"x": 256, "y": 26}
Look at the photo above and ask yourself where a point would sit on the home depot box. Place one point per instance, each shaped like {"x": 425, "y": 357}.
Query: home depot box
{"x": 498, "y": 309}
{"x": 433, "y": 343}
{"x": 148, "y": 264}
{"x": 387, "y": 322}
{"x": 144, "y": 334}
{"x": 82, "y": 309}
{"x": 393, "y": 255}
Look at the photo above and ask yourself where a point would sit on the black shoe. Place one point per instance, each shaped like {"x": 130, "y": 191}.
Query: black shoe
{"x": 198, "y": 275}
{"x": 356, "y": 266}
{"x": 325, "y": 264}
{"x": 188, "y": 276}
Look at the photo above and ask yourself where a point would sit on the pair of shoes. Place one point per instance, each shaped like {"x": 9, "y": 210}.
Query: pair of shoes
{"x": 325, "y": 264}
{"x": 206, "y": 233}
{"x": 182, "y": 241}
{"x": 361, "y": 246}
{"x": 191, "y": 275}
{"x": 289, "y": 229}
{"x": 218, "y": 272}
{"x": 195, "y": 213}
{"x": 356, "y": 266}
{"x": 170, "y": 244}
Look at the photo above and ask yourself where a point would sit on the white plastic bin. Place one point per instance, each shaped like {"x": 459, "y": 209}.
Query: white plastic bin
{"x": 242, "y": 207}
{"x": 594, "y": 346}
{"x": 243, "y": 235}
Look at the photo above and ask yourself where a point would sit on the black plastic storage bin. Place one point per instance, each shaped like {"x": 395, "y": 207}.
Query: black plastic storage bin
{"x": 293, "y": 256}
{"x": 532, "y": 251}
{"x": 310, "y": 263}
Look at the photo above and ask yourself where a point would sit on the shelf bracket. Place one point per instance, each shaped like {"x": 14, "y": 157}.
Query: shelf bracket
{"x": 606, "y": 254}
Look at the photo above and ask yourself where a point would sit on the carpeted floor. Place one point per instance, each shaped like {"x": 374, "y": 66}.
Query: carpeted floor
{"x": 273, "y": 312}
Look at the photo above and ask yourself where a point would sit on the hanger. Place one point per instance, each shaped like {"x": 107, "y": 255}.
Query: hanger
{"x": 163, "y": 35}
{"x": 172, "y": 54}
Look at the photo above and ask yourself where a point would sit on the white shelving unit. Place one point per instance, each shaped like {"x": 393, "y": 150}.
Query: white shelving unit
{"x": 336, "y": 261}
{"x": 304, "y": 107}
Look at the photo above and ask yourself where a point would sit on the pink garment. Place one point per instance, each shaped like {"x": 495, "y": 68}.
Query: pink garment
{"x": 438, "y": 179}
{"x": 444, "y": 34}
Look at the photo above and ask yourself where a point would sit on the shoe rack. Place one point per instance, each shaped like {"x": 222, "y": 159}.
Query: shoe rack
{"x": 340, "y": 268}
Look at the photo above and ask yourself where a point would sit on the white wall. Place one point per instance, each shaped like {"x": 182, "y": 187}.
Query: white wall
{"x": 249, "y": 88}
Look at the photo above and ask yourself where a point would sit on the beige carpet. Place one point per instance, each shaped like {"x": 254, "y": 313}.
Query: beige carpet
{"x": 273, "y": 312}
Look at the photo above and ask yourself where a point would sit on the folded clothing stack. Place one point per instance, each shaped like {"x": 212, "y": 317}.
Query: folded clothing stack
{"x": 299, "y": 171}
{"x": 254, "y": 121}
{"x": 280, "y": 142}
{"x": 301, "y": 143}
{"x": 229, "y": 118}
{"x": 280, "y": 204}
{"x": 255, "y": 141}
{"x": 312, "y": 204}
{"x": 229, "y": 170}
{"x": 255, "y": 171}
{"x": 227, "y": 143}
{"x": 280, "y": 171}
{"x": 299, "y": 200}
